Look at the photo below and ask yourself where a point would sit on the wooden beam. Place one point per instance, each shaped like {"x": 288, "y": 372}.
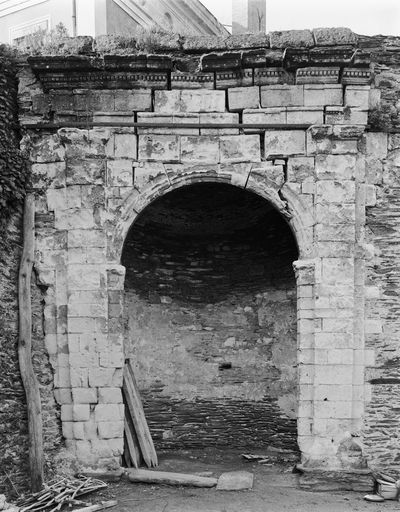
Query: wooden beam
{"x": 165, "y": 477}
{"x": 135, "y": 409}
{"x": 28, "y": 376}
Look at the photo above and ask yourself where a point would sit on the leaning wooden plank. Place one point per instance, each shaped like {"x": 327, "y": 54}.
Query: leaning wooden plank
{"x": 165, "y": 477}
{"x": 126, "y": 455}
{"x": 28, "y": 376}
{"x": 135, "y": 409}
{"x": 99, "y": 506}
{"x": 133, "y": 448}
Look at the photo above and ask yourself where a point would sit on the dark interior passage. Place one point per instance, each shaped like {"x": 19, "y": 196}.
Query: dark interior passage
{"x": 210, "y": 313}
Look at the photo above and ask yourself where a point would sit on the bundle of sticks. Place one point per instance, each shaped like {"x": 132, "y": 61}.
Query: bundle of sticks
{"x": 57, "y": 493}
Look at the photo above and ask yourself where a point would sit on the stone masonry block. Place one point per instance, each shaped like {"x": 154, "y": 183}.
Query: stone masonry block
{"x": 119, "y": 173}
{"x": 74, "y": 218}
{"x": 163, "y": 148}
{"x": 110, "y": 429}
{"x": 272, "y": 115}
{"x": 300, "y": 168}
{"x": 101, "y": 377}
{"x": 370, "y": 195}
{"x": 110, "y": 396}
{"x": 291, "y": 39}
{"x": 344, "y": 233}
{"x": 68, "y": 429}
{"x": 309, "y": 115}
{"x": 373, "y": 326}
{"x": 202, "y": 148}
{"x": 219, "y": 118}
{"x": 84, "y": 395}
{"x": 125, "y": 145}
{"x": 80, "y": 411}
{"x": 334, "y": 36}
{"x": 46, "y": 175}
{"x": 115, "y": 277}
{"x": 330, "y": 167}
{"x": 182, "y": 101}
{"x": 282, "y": 96}
{"x": 101, "y": 447}
{"x": 240, "y": 98}
{"x": 135, "y": 100}
{"x": 323, "y": 94}
{"x": 63, "y": 396}
{"x": 376, "y": 144}
{"x": 84, "y": 277}
{"x": 331, "y": 191}
{"x": 78, "y": 428}
{"x": 337, "y": 270}
{"x": 285, "y": 142}
{"x": 240, "y": 148}
{"x": 150, "y": 118}
{"x": 109, "y": 412}
{"x": 357, "y": 96}
{"x": 66, "y": 412}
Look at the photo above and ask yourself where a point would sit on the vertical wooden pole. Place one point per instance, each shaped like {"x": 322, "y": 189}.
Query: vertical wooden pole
{"x": 25, "y": 348}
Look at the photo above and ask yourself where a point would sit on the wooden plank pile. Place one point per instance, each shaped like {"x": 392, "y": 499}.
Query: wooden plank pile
{"x": 138, "y": 442}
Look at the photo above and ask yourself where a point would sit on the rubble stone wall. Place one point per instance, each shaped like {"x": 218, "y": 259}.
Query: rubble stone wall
{"x": 314, "y": 160}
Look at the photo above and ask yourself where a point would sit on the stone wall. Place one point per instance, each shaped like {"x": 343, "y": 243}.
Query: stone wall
{"x": 13, "y": 415}
{"x": 211, "y": 315}
{"x": 311, "y": 155}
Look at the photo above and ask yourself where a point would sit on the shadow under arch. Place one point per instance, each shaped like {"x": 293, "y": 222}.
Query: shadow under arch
{"x": 286, "y": 201}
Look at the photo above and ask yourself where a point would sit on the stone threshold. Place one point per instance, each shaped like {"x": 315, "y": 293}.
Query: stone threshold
{"x": 321, "y": 479}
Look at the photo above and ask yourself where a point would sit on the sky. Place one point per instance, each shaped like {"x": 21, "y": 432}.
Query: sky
{"x": 368, "y": 17}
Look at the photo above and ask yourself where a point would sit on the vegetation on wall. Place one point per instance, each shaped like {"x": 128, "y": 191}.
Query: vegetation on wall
{"x": 13, "y": 168}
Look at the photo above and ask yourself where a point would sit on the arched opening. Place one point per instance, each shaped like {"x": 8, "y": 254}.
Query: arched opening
{"x": 210, "y": 319}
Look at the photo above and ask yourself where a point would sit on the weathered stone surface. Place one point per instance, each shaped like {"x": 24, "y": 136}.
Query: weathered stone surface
{"x": 334, "y": 36}
{"x": 309, "y": 115}
{"x": 285, "y": 142}
{"x": 163, "y": 148}
{"x": 171, "y": 102}
{"x": 84, "y": 395}
{"x": 321, "y": 95}
{"x": 120, "y": 173}
{"x": 200, "y": 149}
{"x": 240, "y": 148}
{"x": 125, "y": 145}
{"x": 243, "y": 97}
{"x": 357, "y": 96}
{"x": 235, "y": 481}
{"x": 273, "y": 115}
{"x": 291, "y": 39}
{"x": 282, "y": 96}
{"x": 228, "y": 117}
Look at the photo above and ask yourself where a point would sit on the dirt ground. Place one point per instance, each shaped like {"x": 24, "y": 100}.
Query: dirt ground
{"x": 275, "y": 490}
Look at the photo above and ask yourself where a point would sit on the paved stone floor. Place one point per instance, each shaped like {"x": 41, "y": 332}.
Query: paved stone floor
{"x": 275, "y": 490}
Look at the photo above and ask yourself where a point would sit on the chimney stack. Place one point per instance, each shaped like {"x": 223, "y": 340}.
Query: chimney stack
{"x": 248, "y": 16}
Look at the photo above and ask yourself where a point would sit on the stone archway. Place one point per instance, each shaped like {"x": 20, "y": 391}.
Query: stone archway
{"x": 283, "y": 200}
{"x": 210, "y": 316}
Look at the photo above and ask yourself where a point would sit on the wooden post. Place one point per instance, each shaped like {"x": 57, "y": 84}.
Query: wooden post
{"x": 25, "y": 348}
